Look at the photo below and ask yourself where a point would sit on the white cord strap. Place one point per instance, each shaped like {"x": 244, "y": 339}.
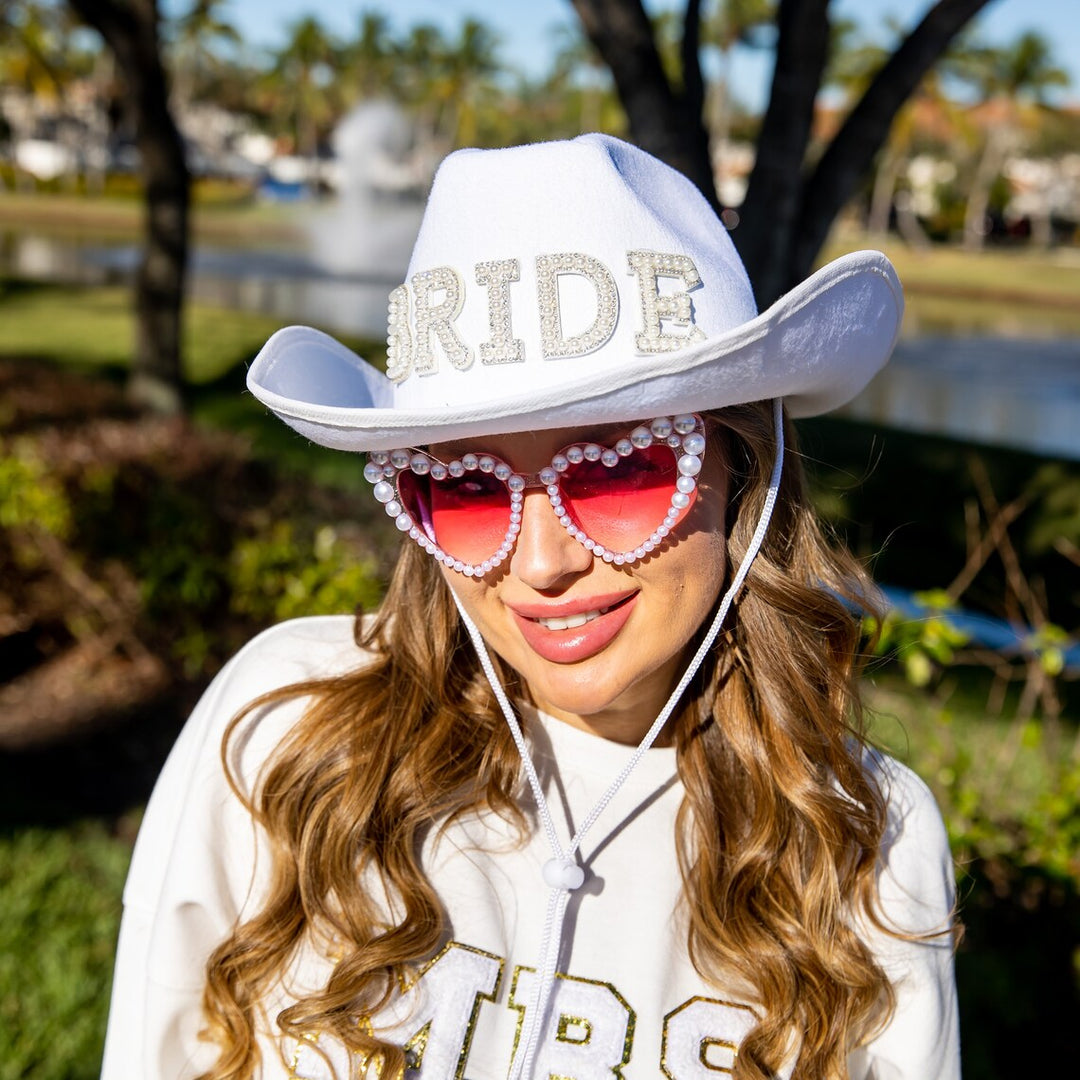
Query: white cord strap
{"x": 562, "y": 872}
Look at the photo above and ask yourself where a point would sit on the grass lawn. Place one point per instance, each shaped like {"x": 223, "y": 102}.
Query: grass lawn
{"x": 213, "y": 216}
{"x": 94, "y": 327}
{"x": 958, "y": 746}
{"x": 1043, "y": 277}
{"x": 59, "y": 916}
{"x": 1013, "y": 292}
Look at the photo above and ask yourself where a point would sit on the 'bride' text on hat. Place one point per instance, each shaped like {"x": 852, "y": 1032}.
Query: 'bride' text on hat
{"x": 437, "y": 298}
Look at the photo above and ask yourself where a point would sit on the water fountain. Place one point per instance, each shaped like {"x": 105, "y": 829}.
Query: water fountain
{"x": 361, "y": 239}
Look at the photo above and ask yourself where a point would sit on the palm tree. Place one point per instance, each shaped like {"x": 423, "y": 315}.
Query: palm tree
{"x": 852, "y": 66}
{"x": 733, "y": 22}
{"x": 579, "y": 71}
{"x": 36, "y": 59}
{"x": 422, "y": 58}
{"x": 468, "y": 64}
{"x": 38, "y": 54}
{"x": 1010, "y": 78}
{"x": 27, "y": 53}
{"x": 369, "y": 63}
{"x": 303, "y": 76}
{"x": 194, "y": 38}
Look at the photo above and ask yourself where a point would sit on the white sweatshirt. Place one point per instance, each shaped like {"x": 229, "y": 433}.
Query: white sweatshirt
{"x": 627, "y": 1003}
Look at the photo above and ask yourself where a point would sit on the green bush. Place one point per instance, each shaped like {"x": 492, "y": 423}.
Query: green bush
{"x": 188, "y": 542}
{"x": 923, "y": 645}
{"x": 29, "y": 495}
{"x": 280, "y": 574}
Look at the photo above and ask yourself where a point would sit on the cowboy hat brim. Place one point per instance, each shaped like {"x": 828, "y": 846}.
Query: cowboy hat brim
{"x": 816, "y": 348}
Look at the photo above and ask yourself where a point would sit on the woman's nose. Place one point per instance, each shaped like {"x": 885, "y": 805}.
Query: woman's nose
{"x": 545, "y": 554}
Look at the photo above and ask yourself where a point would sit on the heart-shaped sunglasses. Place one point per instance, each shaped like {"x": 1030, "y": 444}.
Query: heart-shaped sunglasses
{"x": 618, "y": 501}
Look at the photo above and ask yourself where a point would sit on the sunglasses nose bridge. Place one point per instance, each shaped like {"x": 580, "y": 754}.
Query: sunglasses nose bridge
{"x": 544, "y": 552}
{"x": 533, "y": 481}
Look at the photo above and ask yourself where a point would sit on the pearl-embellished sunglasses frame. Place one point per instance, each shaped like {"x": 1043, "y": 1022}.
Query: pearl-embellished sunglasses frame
{"x": 683, "y": 435}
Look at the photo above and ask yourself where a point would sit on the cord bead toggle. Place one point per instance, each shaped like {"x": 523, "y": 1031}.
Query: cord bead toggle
{"x": 563, "y": 874}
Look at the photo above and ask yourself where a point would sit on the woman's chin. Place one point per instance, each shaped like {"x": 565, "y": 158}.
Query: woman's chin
{"x": 587, "y": 711}
{"x": 586, "y": 697}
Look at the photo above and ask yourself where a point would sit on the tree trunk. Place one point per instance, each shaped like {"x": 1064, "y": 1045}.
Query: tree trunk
{"x": 990, "y": 164}
{"x": 881, "y": 200}
{"x": 771, "y": 212}
{"x": 885, "y": 199}
{"x": 1042, "y": 229}
{"x": 907, "y": 223}
{"x": 130, "y": 30}
{"x": 666, "y": 122}
{"x": 718, "y": 109}
{"x": 788, "y": 211}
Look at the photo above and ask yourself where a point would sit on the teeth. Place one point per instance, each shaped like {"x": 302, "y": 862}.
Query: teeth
{"x": 570, "y": 622}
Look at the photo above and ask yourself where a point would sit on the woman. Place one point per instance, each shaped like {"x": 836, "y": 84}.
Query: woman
{"x": 587, "y": 795}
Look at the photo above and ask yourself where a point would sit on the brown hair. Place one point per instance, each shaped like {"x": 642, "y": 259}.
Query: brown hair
{"x": 778, "y": 836}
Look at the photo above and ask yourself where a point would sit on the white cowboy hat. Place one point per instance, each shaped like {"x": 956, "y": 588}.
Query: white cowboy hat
{"x": 575, "y": 283}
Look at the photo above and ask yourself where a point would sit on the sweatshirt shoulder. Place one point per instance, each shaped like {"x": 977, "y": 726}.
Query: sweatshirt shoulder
{"x": 286, "y": 654}
{"x": 916, "y": 882}
{"x": 910, "y": 804}
{"x": 319, "y": 646}
{"x": 914, "y": 940}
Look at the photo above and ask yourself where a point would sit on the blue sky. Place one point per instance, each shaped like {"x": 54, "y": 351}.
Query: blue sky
{"x": 526, "y": 26}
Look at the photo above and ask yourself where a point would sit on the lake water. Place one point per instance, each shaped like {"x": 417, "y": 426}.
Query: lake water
{"x": 1018, "y": 392}
{"x": 293, "y": 284}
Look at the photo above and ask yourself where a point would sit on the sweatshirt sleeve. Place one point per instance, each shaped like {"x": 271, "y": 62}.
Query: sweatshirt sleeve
{"x": 916, "y": 886}
{"x": 199, "y": 864}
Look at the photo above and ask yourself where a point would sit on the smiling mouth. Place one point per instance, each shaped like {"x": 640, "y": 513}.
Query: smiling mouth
{"x": 572, "y": 622}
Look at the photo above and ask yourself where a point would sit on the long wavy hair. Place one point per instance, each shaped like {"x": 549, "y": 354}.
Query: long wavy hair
{"x": 778, "y": 835}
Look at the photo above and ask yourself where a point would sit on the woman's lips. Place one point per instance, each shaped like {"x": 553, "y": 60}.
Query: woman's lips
{"x": 567, "y": 632}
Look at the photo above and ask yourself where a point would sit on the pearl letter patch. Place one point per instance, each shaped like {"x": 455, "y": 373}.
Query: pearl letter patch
{"x": 673, "y": 307}
{"x": 438, "y": 319}
{"x": 503, "y": 348}
{"x": 399, "y": 354}
{"x": 548, "y": 270}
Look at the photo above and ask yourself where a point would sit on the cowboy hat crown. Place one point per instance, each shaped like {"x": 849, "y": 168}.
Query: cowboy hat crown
{"x": 578, "y": 282}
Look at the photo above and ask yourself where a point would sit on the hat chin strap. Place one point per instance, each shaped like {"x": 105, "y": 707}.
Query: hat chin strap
{"x": 562, "y": 872}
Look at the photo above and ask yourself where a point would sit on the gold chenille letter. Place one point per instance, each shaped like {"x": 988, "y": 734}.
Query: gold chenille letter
{"x": 399, "y": 350}
{"x": 673, "y": 307}
{"x": 438, "y": 319}
{"x": 548, "y": 269}
{"x": 503, "y": 348}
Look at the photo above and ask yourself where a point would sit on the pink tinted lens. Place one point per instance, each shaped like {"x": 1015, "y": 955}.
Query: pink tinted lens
{"x": 467, "y": 516}
{"x": 621, "y": 506}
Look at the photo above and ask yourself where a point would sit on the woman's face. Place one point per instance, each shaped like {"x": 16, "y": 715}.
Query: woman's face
{"x": 613, "y": 674}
